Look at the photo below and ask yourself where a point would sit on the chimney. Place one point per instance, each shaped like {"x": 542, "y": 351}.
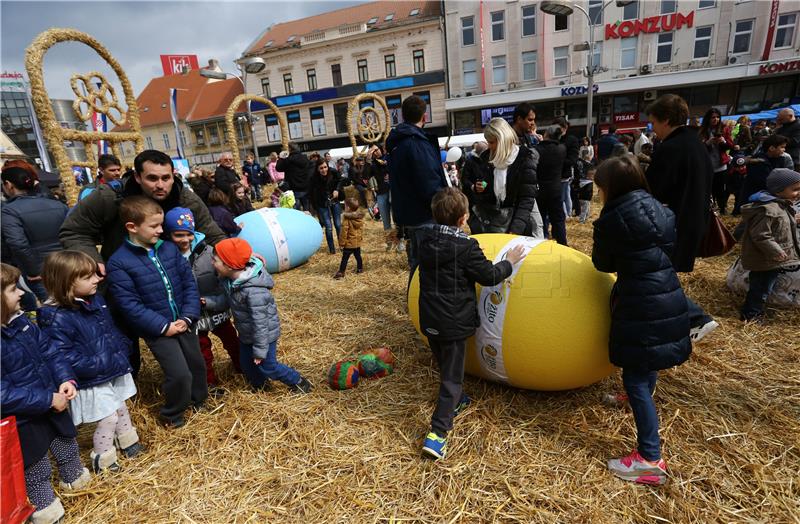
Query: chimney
{"x": 213, "y": 65}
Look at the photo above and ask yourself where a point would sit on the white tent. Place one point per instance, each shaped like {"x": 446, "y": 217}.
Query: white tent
{"x": 455, "y": 140}
{"x": 8, "y": 149}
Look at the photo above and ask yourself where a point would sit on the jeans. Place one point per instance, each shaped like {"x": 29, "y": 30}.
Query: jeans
{"x": 450, "y": 358}
{"x": 385, "y": 209}
{"x": 566, "y": 196}
{"x": 301, "y": 201}
{"x": 412, "y": 247}
{"x": 346, "y": 252}
{"x": 330, "y": 217}
{"x": 640, "y": 385}
{"x": 551, "y": 206}
{"x": 761, "y": 284}
{"x": 269, "y": 369}
{"x": 255, "y": 192}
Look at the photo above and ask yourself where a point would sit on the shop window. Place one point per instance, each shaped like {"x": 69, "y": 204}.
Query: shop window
{"x": 626, "y": 103}
{"x": 750, "y": 98}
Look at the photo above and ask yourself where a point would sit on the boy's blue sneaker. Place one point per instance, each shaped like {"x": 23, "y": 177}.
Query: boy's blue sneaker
{"x": 462, "y": 404}
{"x": 434, "y": 446}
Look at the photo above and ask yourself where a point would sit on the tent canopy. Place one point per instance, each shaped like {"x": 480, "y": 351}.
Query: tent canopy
{"x": 769, "y": 114}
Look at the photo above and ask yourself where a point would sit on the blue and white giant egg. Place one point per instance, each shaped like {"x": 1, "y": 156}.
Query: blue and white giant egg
{"x": 285, "y": 237}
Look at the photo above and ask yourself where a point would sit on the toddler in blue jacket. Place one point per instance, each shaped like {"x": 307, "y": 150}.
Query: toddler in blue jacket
{"x": 154, "y": 287}
{"x": 80, "y": 327}
{"x": 36, "y": 385}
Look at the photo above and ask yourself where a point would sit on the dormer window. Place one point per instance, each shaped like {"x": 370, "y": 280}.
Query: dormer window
{"x": 414, "y": 12}
{"x": 268, "y": 44}
{"x": 389, "y": 17}
{"x": 372, "y": 20}
{"x": 290, "y": 39}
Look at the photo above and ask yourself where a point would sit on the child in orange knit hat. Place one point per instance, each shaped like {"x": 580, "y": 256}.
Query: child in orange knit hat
{"x": 247, "y": 284}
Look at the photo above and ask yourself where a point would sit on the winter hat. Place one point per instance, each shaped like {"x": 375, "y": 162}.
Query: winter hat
{"x": 179, "y": 219}
{"x": 781, "y": 178}
{"x": 234, "y": 252}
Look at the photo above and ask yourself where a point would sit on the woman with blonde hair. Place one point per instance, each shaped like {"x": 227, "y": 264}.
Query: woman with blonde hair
{"x": 501, "y": 183}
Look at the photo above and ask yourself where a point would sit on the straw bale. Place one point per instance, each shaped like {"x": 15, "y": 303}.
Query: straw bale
{"x": 730, "y": 421}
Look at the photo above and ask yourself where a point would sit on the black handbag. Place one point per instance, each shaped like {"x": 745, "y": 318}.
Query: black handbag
{"x": 490, "y": 219}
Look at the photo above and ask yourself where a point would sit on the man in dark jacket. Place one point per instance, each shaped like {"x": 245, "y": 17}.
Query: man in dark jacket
{"x": 524, "y": 124}
{"x": 571, "y": 161}
{"x": 679, "y": 176}
{"x": 606, "y": 143}
{"x": 225, "y": 176}
{"x": 790, "y": 128}
{"x": 297, "y": 176}
{"x": 551, "y": 164}
{"x": 450, "y": 264}
{"x": 252, "y": 170}
{"x": 415, "y": 172}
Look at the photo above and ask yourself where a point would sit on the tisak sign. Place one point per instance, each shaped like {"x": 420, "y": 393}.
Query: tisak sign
{"x": 653, "y": 24}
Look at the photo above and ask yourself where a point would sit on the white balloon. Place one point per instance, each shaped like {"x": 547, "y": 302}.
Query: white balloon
{"x": 453, "y": 154}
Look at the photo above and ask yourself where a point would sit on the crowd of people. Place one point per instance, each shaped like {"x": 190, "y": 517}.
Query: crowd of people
{"x": 171, "y": 270}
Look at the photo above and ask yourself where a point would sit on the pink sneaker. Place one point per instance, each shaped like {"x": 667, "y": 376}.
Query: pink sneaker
{"x": 615, "y": 400}
{"x": 635, "y": 468}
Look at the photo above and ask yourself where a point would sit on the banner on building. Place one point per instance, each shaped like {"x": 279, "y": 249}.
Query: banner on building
{"x": 178, "y": 64}
{"x": 773, "y": 20}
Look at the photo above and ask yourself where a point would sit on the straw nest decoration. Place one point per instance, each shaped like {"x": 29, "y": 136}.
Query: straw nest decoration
{"x": 89, "y": 99}
{"x": 730, "y": 423}
{"x": 371, "y": 126}
{"x": 233, "y": 140}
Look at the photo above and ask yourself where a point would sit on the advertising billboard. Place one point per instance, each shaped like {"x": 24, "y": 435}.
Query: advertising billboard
{"x": 177, "y": 64}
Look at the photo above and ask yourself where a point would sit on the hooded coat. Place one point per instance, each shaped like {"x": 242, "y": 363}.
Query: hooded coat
{"x": 770, "y": 230}
{"x": 95, "y": 219}
{"x": 649, "y": 313}
{"x": 415, "y": 173}
{"x": 88, "y": 339}
{"x": 680, "y": 176}
{"x": 253, "y": 307}
{"x": 30, "y": 225}
{"x": 352, "y": 232}
{"x": 450, "y": 264}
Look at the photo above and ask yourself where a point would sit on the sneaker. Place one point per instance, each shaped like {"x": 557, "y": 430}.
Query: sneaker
{"x": 338, "y": 276}
{"x": 304, "y": 386}
{"x": 635, "y": 468}
{"x": 758, "y": 318}
{"x": 434, "y": 446}
{"x": 699, "y": 333}
{"x": 359, "y": 270}
{"x": 462, "y": 404}
{"x": 401, "y": 247}
{"x": 615, "y": 400}
{"x": 174, "y": 423}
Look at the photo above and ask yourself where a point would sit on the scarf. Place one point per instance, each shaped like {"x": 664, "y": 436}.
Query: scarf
{"x": 500, "y": 173}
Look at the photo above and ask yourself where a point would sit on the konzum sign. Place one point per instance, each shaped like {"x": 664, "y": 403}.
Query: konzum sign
{"x": 653, "y": 24}
{"x": 780, "y": 67}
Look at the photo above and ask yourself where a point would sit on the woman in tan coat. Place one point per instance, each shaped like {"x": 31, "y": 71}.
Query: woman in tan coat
{"x": 351, "y": 237}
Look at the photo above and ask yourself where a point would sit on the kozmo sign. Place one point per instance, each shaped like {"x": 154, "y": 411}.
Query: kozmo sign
{"x": 653, "y": 24}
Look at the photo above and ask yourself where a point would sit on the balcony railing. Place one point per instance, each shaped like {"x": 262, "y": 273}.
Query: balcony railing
{"x": 332, "y": 34}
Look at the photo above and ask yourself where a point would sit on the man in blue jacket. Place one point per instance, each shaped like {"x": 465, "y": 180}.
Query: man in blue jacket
{"x": 606, "y": 143}
{"x": 415, "y": 173}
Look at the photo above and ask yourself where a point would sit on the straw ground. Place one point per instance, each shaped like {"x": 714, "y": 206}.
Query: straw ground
{"x": 730, "y": 423}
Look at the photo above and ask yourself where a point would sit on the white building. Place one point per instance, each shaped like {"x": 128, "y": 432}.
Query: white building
{"x": 316, "y": 65}
{"x": 739, "y": 56}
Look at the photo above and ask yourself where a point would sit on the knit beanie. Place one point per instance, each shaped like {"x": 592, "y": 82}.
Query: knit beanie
{"x": 179, "y": 219}
{"x": 234, "y": 252}
{"x": 781, "y": 178}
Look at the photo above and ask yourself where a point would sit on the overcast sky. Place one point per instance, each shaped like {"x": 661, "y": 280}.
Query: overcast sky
{"x": 136, "y": 33}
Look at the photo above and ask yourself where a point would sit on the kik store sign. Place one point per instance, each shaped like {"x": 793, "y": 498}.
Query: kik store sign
{"x": 653, "y": 24}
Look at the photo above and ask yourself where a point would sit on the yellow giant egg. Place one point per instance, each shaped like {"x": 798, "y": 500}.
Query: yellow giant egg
{"x": 546, "y": 327}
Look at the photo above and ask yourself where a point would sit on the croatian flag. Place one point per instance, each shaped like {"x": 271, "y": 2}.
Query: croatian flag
{"x": 100, "y": 124}
{"x": 173, "y": 110}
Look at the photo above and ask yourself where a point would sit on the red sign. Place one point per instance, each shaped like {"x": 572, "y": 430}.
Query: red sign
{"x": 779, "y": 67}
{"x": 177, "y": 64}
{"x": 653, "y": 24}
{"x": 773, "y": 17}
{"x": 625, "y": 118}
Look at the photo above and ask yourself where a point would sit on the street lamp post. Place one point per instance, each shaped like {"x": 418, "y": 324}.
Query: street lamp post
{"x": 563, "y": 7}
{"x": 252, "y": 65}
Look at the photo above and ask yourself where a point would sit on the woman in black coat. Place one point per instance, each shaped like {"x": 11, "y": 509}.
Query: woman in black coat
{"x": 649, "y": 313}
{"x": 325, "y": 196}
{"x": 501, "y": 184}
{"x": 30, "y": 226}
{"x": 552, "y": 154}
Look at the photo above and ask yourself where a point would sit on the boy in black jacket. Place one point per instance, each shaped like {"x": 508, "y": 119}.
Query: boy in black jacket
{"x": 450, "y": 264}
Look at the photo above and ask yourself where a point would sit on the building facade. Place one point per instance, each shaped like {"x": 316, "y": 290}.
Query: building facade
{"x": 317, "y": 65}
{"x": 738, "y": 56}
